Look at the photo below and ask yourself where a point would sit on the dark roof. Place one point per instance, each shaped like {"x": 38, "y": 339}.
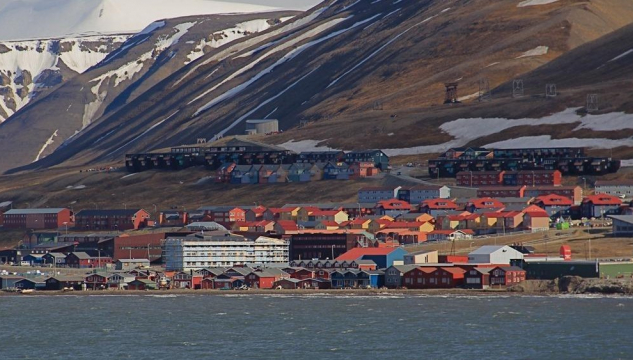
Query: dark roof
{"x": 33, "y": 211}
{"x": 108, "y": 212}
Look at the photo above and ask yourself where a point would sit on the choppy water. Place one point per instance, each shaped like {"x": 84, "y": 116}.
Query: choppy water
{"x": 315, "y": 327}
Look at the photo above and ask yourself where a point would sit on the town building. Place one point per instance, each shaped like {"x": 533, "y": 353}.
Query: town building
{"x": 53, "y": 218}
{"x": 506, "y": 275}
{"x": 494, "y": 254}
{"x": 556, "y": 206}
{"x": 419, "y": 193}
{"x": 82, "y": 260}
{"x": 383, "y": 257}
{"x": 317, "y": 244}
{"x": 198, "y": 251}
{"x": 622, "y": 225}
{"x": 129, "y": 264}
{"x": 118, "y": 220}
{"x": 501, "y": 191}
{"x": 532, "y": 178}
{"x": 479, "y": 178}
{"x": 572, "y": 192}
{"x": 435, "y": 207}
{"x": 421, "y": 257}
{"x": 376, "y": 194}
{"x": 600, "y": 205}
{"x": 619, "y": 188}
{"x": 377, "y": 157}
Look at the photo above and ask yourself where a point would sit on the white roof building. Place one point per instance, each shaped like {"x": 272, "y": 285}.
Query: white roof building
{"x": 494, "y": 254}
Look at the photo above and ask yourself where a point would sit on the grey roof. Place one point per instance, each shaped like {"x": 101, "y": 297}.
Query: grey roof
{"x": 63, "y": 278}
{"x": 33, "y": 211}
{"x": 108, "y": 212}
{"x": 624, "y": 218}
{"x": 56, "y": 255}
{"x": 261, "y": 121}
{"x": 132, "y": 260}
{"x": 82, "y": 255}
{"x": 292, "y": 280}
{"x": 405, "y": 268}
{"x": 206, "y": 225}
{"x": 488, "y": 249}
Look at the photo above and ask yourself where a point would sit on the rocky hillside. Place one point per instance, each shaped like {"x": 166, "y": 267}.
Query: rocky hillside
{"x": 360, "y": 73}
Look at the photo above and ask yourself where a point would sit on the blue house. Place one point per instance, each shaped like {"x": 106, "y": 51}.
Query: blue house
{"x": 383, "y": 257}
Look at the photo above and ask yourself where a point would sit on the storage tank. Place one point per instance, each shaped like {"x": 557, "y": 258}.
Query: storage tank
{"x": 262, "y": 126}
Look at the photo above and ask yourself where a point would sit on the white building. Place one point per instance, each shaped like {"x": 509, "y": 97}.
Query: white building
{"x": 201, "y": 251}
{"x": 493, "y": 254}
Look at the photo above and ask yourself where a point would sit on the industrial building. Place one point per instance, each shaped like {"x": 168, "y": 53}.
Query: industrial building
{"x": 262, "y": 127}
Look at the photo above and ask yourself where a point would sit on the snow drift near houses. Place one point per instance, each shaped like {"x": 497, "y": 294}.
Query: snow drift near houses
{"x": 44, "y": 19}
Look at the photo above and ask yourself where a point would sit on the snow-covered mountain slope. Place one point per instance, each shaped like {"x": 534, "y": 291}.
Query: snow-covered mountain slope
{"x": 32, "y": 66}
{"x": 361, "y": 73}
{"x": 43, "y": 19}
{"x": 122, "y": 73}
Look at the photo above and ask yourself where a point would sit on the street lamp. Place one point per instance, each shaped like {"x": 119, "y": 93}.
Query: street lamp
{"x": 66, "y": 223}
{"x": 471, "y": 177}
{"x": 125, "y": 206}
{"x": 585, "y": 180}
{"x": 95, "y": 204}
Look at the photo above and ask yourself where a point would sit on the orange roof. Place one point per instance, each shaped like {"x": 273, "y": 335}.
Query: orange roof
{"x": 553, "y": 199}
{"x": 602, "y": 199}
{"x": 486, "y": 203}
{"x": 394, "y": 204}
{"x": 440, "y": 204}
{"x": 287, "y": 225}
{"x": 357, "y": 253}
{"x": 535, "y": 211}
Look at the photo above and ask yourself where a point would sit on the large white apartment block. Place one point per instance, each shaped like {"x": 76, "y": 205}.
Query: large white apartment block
{"x": 199, "y": 251}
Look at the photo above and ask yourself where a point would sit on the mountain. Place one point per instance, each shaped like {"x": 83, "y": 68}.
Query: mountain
{"x": 66, "y": 37}
{"x": 71, "y": 18}
{"x": 353, "y": 73}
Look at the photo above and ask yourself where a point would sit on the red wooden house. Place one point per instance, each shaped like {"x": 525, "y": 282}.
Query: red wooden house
{"x": 96, "y": 281}
{"x": 183, "y": 280}
{"x": 263, "y": 279}
{"x": 302, "y": 273}
{"x": 506, "y": 275}
{"x": 82, "y": 260}
{"x": 477, "y": 278}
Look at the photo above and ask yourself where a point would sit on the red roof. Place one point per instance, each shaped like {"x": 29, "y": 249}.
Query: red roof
{"x": 454, "y": 270}
{"x": 404, "y": 224}
{"x": 461, "y": 217}
{"x": 535, "y": 211}
{"x": 394, "y": 204}
{"x": 602, "y": 199}
{"x": 553, "y": 200}
{"x": 442, "y": 204}
{"x": 357, "y": 253}
{"x": 288, "y": 225}
{"x": 487, "y": 203}
{"x": 329, "y": 223}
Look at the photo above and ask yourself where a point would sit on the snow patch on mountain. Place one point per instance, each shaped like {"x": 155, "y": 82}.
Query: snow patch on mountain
{"x": 220, "y": 38}
{"x": 26, "y": 67}
{"x": 535, "y": 2}
{"x": 624, "y": 54}
{"x": 288, "y": 44}
{"x": 48, "y": 142}
{"x": 62, "y": 18}
{"x": 537, "y": 51}
{"x": 230, "y": 50}
{"x": 464, "y": 131}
